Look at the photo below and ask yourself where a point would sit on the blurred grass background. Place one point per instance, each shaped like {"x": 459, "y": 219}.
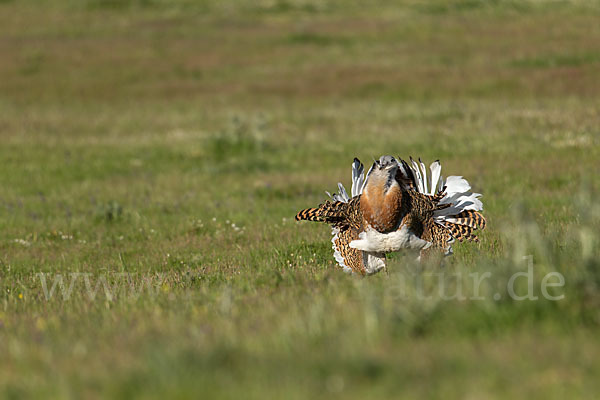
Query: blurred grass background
{"x": 175, "y": 141}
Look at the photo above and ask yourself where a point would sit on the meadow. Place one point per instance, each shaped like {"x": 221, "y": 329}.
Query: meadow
{"x": 154, "y": 154}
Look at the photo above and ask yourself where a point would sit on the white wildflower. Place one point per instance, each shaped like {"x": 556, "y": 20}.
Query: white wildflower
{"x": 22, "y": 242}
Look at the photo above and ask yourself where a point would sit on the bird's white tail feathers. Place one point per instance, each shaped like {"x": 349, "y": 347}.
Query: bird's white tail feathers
{"x": 358, "y": 183}
{"x": 458, "y": 190}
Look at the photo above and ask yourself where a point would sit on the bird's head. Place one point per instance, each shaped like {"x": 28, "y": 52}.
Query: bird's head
{"x": 383, "y": 172}
{"x": 386, "y": 163}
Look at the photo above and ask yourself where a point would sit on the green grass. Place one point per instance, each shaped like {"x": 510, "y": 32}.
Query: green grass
{"x": 162, "y": 149}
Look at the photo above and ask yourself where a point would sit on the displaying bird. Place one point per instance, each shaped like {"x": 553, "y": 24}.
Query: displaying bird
{"x": 397, "y": 206}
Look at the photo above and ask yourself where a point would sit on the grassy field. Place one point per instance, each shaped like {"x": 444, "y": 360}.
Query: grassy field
{"x": 155, "y": 152}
